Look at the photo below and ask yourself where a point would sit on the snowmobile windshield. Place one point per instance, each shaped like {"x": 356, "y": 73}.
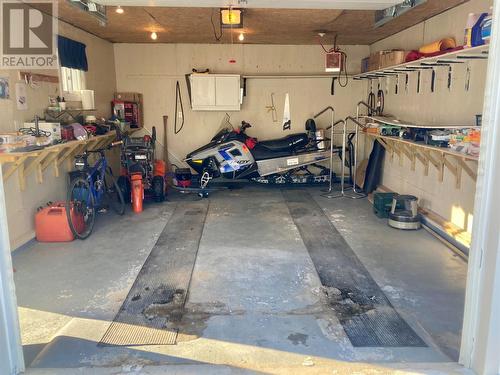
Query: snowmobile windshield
{"x": 224, "y": 129}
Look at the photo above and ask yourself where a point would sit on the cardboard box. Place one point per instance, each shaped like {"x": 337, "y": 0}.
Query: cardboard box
{"x": 385, "y": 59}
{"x": 365, "y": 64}
{"x": 129, "y": 97}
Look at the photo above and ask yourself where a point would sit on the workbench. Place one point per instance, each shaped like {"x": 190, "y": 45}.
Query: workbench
{"x": 38, "y": 161}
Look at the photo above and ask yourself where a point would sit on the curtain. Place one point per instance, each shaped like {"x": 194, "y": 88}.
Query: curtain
{"x": 72, "y": 53}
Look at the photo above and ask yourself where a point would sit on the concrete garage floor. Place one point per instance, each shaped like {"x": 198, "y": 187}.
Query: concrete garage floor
{"x": 255, "y": 300}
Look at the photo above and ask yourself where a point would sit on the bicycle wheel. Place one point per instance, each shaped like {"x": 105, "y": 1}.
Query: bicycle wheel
{"x": 114, "y": 195}
{"x": 80, "y": 208}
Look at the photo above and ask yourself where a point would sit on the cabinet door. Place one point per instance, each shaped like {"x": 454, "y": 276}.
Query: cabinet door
{"x": 202, "y": 91}
{"x": 227, "y": 92}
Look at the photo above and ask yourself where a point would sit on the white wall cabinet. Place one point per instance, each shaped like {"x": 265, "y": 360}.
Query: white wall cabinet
{"x": 215, "y": 92}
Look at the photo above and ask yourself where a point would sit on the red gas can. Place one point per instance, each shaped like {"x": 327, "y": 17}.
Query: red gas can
{"x": 51, "y": 223}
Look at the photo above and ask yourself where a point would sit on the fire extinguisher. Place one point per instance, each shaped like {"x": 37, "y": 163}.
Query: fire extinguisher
{"x": 137, "y": 189}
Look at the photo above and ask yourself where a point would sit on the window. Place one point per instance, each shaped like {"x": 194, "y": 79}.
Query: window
{"x": 72, "y": 79}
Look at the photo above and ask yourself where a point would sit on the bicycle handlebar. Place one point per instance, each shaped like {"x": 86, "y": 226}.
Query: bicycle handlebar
{"x": 109, "y": 147}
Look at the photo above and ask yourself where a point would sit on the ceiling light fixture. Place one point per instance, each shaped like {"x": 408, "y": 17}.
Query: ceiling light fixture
{"x": 119, "y": 10}
{"x": 241, "y": 37}
{"x": 231, "y": 18}
{"x": 154, "y": 35}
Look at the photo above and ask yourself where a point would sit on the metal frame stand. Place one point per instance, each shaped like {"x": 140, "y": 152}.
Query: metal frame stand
{"x": 328, "y": 193}
{"x": 356, "y": 194}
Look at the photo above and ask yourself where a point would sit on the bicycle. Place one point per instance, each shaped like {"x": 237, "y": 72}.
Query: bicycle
{"x": 89, "y": 190}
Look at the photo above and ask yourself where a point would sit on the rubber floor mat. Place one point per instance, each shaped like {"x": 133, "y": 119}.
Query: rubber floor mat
{"x": 367, "y": 316}
{"x": 155, "y": 303}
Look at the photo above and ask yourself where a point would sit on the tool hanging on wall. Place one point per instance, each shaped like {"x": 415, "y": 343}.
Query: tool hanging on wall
{"x": 419, "y": 75}
{"x": 433, "y": 81}
{"x": 272, "y": 108}
{"x": 396, "y": 89}
{"x": 287, "y": 121}
{"x": 371, "y": 100}
{"x": 380, "y": 101}
{"x": 467, "y": 78}
{"x": 407, "y": 79}
{"x": 178, "y": 101}
{"x": 376, "y": 102}
{"x": 450, "y": 77}
{"x": 332, "y": 88}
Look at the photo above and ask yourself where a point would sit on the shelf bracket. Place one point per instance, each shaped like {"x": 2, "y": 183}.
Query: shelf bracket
{"x": 16, "y": 165}
{"x": 472, "y": 174}
{"x": 424, "y": 160}
{"x": 455, "y": 171}
{"x": 34, "y": 164}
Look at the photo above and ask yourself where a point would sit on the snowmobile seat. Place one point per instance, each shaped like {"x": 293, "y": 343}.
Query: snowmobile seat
{"x": 262, "y": 153}
{"x": 288, "y": 143}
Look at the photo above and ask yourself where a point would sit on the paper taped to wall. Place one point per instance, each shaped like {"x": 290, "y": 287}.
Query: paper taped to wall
{"x": 287, "y": 121}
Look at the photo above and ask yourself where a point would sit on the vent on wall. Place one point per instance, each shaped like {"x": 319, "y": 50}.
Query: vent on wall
{"x": 388, "y": 14}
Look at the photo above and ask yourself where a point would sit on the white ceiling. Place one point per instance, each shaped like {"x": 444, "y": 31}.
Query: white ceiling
{"x": 282, "y": 4}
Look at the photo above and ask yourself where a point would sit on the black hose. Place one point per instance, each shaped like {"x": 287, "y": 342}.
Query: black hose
{"x": 371, "y": 103}
{"x": 178, "y": 100}
{"x": 380, "y": 102}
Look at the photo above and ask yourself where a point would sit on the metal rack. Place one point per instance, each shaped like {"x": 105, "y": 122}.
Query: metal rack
{"x": 356, "y": 194}
{"x": 446, "y": 59}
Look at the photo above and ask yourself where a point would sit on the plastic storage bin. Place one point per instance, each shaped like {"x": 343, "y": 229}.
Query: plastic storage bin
{"x": 382, "y": 203}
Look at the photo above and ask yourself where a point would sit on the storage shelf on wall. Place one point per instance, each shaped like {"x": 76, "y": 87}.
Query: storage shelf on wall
{"x": 441, "y": 158}
{"x": 474, "y": 53}
{"x": 392, "y": 121}
{"x": 38, "y": 161}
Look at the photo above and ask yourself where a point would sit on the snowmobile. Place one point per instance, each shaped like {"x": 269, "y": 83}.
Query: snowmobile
{"x": 232, "y": 154}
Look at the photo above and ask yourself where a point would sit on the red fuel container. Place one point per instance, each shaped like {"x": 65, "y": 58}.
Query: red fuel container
{"x": 51, "y": 223}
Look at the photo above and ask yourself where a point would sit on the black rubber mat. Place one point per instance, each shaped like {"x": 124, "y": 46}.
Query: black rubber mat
{"x": 155, "y": 303}
{"x": 367, "y": 316}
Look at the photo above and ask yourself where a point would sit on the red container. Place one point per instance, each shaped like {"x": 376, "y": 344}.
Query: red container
{"x": 51, "y": 223}
{"x": 67, "y": 133}
{"x": 160, "y": 168}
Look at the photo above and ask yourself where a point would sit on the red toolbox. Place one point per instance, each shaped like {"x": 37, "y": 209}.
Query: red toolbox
{"x": 51, "y": 223}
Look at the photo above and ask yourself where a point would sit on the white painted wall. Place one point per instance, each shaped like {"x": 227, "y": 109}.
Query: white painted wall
{"x": 440, "y": 107}
{"x": 21, "y": 206}
{"x": 154, "y": 69}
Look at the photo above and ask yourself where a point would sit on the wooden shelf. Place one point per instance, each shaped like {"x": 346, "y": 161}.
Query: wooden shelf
{"x": 439, "y": 157}
{"x": 474, "y": 53}
{"x": 38, "y": 161}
